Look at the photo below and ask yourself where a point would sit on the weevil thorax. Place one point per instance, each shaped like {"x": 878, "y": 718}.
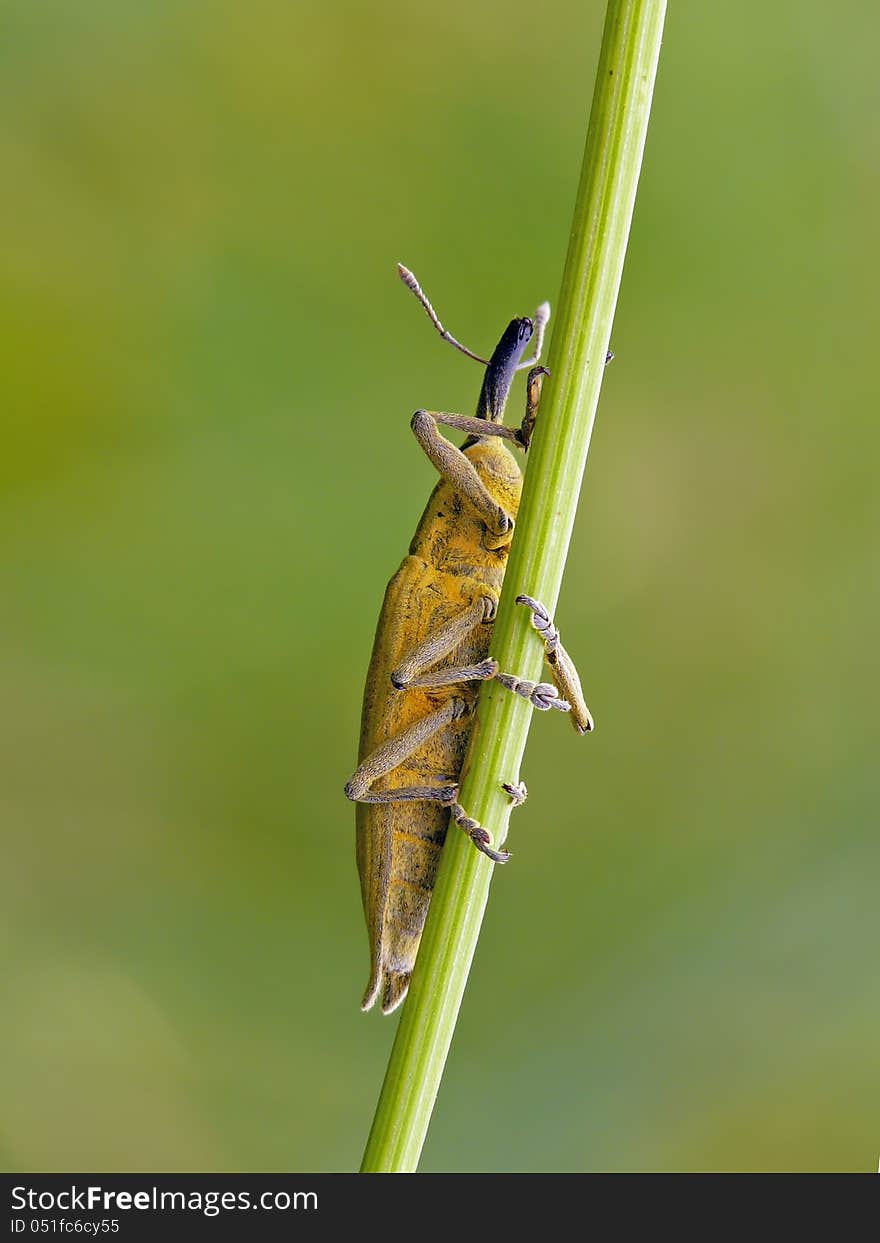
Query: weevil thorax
{"x": 502, "y": 368}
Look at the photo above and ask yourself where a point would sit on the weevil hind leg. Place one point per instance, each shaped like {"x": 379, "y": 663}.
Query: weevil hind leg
{"x": 479, "y": 836}
{"x": 475, "y": 831}
{"x": 562, "y": 667}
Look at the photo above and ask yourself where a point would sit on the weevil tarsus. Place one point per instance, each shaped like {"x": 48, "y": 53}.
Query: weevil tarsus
{"x": 562, "y": 667}
{"x": 541, "y": 695}
{"x": 534, "y": 384}
{"x": 479, "y": 836}
{"x": 517, "y": 791}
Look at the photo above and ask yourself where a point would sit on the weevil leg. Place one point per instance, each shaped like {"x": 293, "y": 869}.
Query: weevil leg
{"x": 454, "y": 675}
{"x": 562, "y": 668}
{"x": 478, "y": 835}
{"x": 394, "y": 751}
{"x": 399, "y": 748}
{"x": 534, "y": 383}
{"x": 472, "y": 425}
{"x": 412, "y": 669}
{"x": 517, "y": 791}
{"x": 541, "y": 695}
{"x": 408, "y": 674}
{"x": 459, "y": 471}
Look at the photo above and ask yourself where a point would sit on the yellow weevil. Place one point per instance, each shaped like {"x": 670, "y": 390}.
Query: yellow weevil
{"x": 439, "y": 607}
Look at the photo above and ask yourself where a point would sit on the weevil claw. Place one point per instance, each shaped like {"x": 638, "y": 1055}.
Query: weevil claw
{"x": 481, "y": 839}
{"x": 479, "y": 836}
{"x": 517, "y": 791}
{"x": 545, "y": 697}
{"x": 497, "y": 856}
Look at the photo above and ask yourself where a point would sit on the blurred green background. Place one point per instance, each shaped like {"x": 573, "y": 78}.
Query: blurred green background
{"x": 208, "y": 477}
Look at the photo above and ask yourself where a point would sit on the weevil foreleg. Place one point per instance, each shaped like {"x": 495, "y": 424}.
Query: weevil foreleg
{"x": 472, "y": 425}
{"x": 411, "y": 672}
{"x": 390, "y": 754}
{"x": 562, "y": 667}
{"x": 459, "y": 472}
{"x": 534, "y": 383}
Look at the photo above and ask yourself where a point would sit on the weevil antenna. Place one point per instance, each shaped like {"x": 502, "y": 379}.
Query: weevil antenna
{"x": 542, "y": 317}
{"x": 411, "y": 283}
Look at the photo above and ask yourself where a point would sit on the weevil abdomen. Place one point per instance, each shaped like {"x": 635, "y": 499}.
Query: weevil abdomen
{"x": 398, "y": 844}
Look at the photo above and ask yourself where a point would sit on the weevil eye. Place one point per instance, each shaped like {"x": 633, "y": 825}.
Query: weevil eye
{"x": 526, "y": 328}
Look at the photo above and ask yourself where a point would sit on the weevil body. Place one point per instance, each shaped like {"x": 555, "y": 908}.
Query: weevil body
{"x": 430, "y": 654}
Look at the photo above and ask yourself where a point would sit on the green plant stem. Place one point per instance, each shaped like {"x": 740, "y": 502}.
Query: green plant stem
{"x": 556, "y": 461}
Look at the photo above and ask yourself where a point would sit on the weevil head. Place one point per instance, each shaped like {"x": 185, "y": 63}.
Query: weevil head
{"x": 501, "y": 369}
